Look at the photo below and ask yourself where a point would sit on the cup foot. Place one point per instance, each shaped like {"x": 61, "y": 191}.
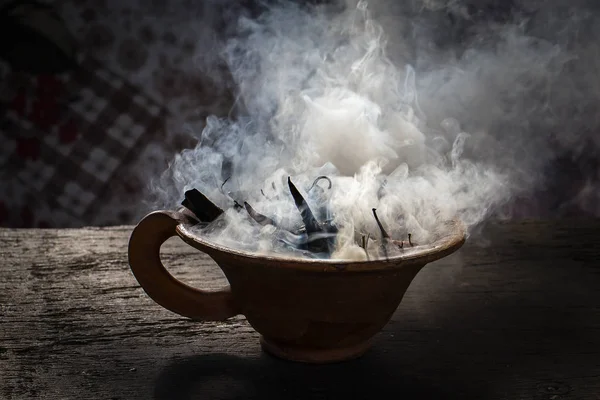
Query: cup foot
{"x": 312, "y": 355}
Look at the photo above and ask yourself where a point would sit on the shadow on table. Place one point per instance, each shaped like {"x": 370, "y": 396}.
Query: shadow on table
{"x": 502, "y": 335}
{"x": 218, "y": 376}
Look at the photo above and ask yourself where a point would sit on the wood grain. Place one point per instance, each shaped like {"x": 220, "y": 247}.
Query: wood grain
{"x": 515, "y": 314}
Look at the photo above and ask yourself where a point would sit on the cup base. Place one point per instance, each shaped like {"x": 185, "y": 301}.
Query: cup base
{"x": 312, "y": 355}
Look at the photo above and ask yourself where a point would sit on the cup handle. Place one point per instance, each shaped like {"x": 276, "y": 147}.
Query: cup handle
{"x": 144, "y": 259}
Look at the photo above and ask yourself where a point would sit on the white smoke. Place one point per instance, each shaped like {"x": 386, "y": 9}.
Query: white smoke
{"x": 521, "y": 77}
{"x": 318, "y": 95}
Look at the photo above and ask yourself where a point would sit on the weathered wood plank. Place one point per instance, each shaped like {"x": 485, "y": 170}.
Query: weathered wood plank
{"x": 516, "y": 319}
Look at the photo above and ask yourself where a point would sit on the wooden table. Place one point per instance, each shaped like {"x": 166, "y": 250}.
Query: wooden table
{"x": 514, "y": 317}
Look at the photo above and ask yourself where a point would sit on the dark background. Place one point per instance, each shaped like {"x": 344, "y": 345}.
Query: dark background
{"x": 155, "y": 50}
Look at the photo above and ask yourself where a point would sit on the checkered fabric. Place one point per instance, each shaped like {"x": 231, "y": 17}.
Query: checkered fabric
{"x": 65, "y": 137}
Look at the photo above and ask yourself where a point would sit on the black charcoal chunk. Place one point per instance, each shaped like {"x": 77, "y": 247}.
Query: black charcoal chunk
{"x": 320, "y": 236}
{"x": 201, "y": 206}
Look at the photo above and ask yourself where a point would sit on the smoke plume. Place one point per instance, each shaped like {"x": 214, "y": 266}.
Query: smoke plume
{"x": 423, "y": 110}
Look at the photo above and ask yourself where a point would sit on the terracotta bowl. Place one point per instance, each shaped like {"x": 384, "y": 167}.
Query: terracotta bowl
{"x": 305, "y": 310}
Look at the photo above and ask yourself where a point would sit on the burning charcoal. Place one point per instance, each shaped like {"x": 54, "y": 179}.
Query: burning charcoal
{"x": 201, "y": 206}
{"x": 258, "y": 217}
{"x": 320, "y": 236}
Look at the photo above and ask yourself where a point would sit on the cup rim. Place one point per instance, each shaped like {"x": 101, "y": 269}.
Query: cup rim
{"x": 452, "y": 239}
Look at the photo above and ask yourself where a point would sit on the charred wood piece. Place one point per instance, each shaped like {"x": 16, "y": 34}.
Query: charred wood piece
{"x": 321, "y": 236}
{"x": 310, "y": 222}
{"x": 204, "y": 209}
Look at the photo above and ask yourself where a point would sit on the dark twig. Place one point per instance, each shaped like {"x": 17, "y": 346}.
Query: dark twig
{"x": 317, "y": 180}
{"x": 384, "y": 234}
{"x": 223, "y": 184}
{"x": 258, "y": 217}
{"x": 365, "y": 243}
